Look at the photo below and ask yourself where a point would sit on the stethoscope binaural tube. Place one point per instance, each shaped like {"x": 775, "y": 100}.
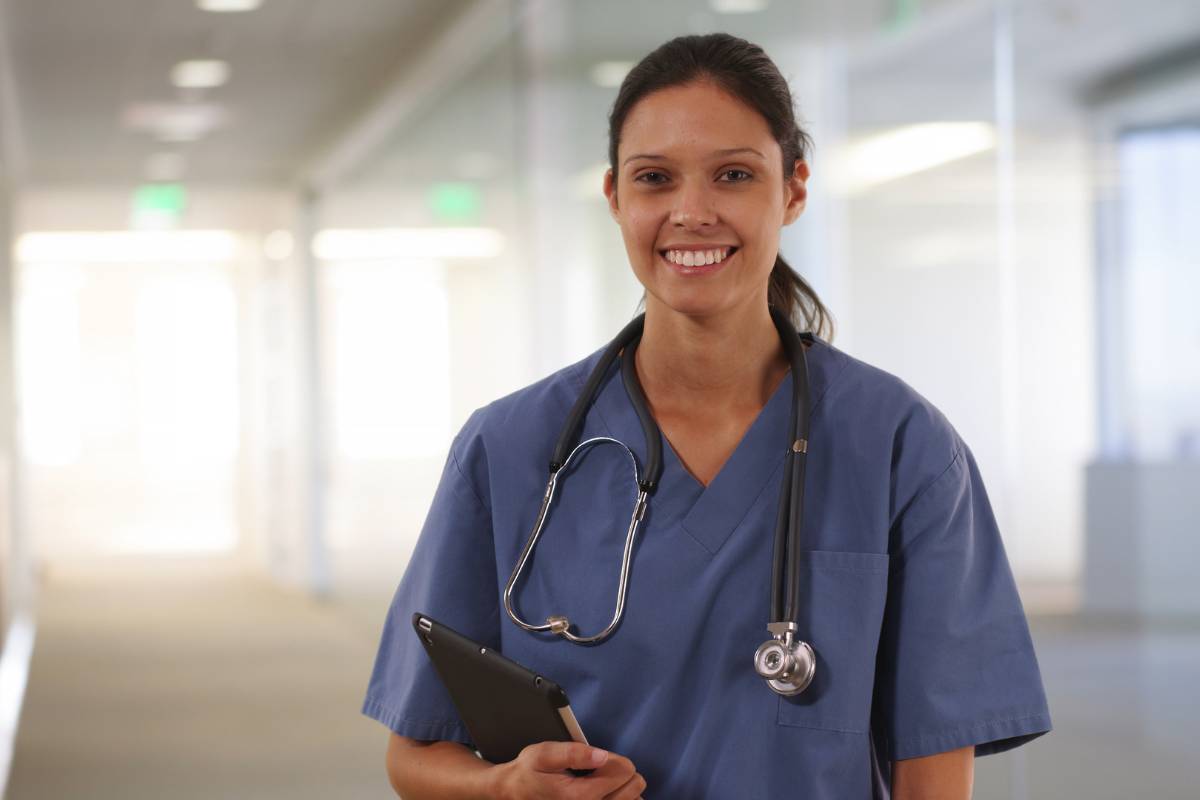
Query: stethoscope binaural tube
{"x": 784, "y": 662}
{"x": 629, "y": 335}
{"x": 624, "y": 345}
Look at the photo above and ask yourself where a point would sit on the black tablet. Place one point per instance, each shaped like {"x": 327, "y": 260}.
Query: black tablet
{"x": 505, "y": 706}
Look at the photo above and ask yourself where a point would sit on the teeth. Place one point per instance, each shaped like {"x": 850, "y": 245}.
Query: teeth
{"x": 692, "y": 258}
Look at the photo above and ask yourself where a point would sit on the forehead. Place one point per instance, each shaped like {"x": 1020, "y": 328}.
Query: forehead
{"x": 693, "y": 121}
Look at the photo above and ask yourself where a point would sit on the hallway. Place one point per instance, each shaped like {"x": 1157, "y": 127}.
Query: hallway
{"x": 168, "y": 680}
{"x": 164, "y": 679}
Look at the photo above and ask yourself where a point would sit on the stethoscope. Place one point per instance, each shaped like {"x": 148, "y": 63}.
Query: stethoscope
{"x": 784, "y": 661}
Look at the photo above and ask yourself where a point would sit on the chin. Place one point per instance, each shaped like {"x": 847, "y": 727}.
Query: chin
{"x": 697, "y": 302}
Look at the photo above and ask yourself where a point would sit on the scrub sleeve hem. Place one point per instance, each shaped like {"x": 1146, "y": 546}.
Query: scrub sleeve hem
{"x": 993, "y": 736}
{"x": 427, "y": 730}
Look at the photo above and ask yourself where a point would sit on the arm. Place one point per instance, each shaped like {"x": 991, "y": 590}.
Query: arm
{"x": 943, "y": 776}
{"x": 418, "y": 769}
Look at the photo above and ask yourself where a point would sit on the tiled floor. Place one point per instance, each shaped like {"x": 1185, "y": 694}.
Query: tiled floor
{"x": 212, "y": 684}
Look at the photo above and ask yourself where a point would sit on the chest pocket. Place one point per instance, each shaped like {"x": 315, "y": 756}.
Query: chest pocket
{"x": 842, "y": 599}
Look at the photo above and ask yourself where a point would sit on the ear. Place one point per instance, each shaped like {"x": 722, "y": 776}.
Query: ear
{"x": 795, "y": 192}
{"x": 610, "y": 191}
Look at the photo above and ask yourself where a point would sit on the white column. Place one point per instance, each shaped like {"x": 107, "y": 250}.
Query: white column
{"x": 1004, "y": 89}
{"x": 17, "y": 583}
{"x": 313, "y": 417}
{"x": 552, "y": 233}
{"x": 16, "y": 592}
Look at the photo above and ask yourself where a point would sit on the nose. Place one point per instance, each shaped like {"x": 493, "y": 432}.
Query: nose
{"x": 694, "y": 206}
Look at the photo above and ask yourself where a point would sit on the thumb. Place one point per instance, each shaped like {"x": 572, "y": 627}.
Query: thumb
{"x": 558, "y": 756}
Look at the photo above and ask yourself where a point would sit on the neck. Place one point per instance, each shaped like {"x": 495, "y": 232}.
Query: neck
{"x": 714, "y": 363}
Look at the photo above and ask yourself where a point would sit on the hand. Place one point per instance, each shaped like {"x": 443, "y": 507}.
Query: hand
{"x": 540, "y": 773}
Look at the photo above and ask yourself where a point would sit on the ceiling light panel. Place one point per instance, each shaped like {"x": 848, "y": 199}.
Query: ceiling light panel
{"x": 228, "y": 6}
{"x": 175, "y": 122}
{"x": 609, "y": 74}
{"x": 738, "y": 6}
{"x": 205, "y": 74}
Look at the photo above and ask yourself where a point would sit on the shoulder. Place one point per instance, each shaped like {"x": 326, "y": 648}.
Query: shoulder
{"x": 901, "y": 431}
{"x": 884, "y": 403}
{"x": 523, "y": 424}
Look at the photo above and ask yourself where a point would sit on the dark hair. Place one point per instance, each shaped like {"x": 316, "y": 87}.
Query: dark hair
{"x": 743, "y": 70}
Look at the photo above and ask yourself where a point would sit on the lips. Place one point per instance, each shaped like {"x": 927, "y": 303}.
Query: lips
{"x": 698, "y": 269}
{"x": 723, "y": 251}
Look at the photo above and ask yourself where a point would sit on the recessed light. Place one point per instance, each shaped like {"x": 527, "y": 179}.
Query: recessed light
{"x": 905, "y": 150}
{"x": 174, "y": 122}
{"x": 738, "y": 6}
{"x": 609, "y": 74}
{"x": 199, "y": 74}
{"x": 225, "y": 6}
{"x": 127, "y": 247}
{"x": 362, "y": 244}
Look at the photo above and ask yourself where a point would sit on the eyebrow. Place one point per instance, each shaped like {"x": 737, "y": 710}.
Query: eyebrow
{"x": 727, "y": 152}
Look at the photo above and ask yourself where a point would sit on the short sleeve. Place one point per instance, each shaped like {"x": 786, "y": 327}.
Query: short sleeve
{"x": 956, "y": 665}
{"x": 451, "y": 577}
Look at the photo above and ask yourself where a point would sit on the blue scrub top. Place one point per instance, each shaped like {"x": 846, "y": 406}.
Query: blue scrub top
{"x": 906, "y": 592}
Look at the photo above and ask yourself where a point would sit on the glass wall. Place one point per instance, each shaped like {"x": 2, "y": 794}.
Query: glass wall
{"x": 1159, "y": 173}
{"x": 948, "y": 225}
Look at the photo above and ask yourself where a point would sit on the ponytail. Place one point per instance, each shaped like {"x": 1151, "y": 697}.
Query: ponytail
{"x": 792, "y": 295}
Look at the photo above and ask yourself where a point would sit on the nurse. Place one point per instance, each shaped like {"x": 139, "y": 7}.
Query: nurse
{"x": 923, "y": 655}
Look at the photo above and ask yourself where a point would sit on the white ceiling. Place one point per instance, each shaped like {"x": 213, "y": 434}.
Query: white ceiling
{"x": 299, "y": 67}
{"x": 303, "y": 69}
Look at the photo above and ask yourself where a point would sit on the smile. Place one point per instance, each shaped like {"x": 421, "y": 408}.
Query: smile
{"x": 697, "y": 262}
{"x": 697, "y": 258}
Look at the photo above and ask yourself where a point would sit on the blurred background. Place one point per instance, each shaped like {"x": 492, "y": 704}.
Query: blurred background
{"x": 263, "y": 257}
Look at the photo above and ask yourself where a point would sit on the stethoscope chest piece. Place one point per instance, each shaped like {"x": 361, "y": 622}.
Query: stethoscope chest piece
{"x": 784, "y": 662}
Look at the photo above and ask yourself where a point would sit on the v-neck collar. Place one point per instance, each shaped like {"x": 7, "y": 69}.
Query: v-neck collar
{"x": 709, "y": 514}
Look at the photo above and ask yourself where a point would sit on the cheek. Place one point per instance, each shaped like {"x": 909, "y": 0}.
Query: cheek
{"x": 642, "y": 226}
{"x": 640, "y": 233}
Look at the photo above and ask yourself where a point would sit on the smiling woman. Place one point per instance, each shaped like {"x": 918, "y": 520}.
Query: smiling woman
{"x": 902, "y": 651}
{"x": 682, "y": 129}
{"x": 693, "y": 195}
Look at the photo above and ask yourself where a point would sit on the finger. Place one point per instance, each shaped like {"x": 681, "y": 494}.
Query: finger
{"x": 616, "y": 766}
{"x": 631, "y": 790}
{"x": 559, "y": 756}
{"x": 617, "y": 772}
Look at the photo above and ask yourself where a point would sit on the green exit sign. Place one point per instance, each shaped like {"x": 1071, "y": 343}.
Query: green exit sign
{"x": 455, "y": 202}
{"x": 158, "y": 206}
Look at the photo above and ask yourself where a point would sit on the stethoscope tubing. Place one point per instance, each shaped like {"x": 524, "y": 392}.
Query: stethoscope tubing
{"x": 785, "y": 604}
{"x": 561, "y": 625}
{"x": 785, "y": 562}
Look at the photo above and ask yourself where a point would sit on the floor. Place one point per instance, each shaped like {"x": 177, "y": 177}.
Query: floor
{"x": 273, "y": 680}
{"x": 197, "y": 684}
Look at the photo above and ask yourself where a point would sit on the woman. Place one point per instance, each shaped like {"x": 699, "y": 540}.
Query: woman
{"x": 923, "y": 655}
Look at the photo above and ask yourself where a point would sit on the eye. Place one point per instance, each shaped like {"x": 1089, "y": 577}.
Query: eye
{"x": 745, "y": 175}
{"x": 649, "y": 177}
